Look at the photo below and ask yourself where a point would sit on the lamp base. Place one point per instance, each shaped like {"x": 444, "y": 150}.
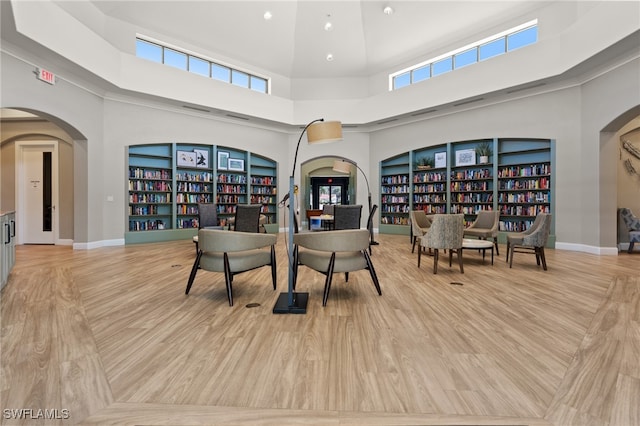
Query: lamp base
{"x": 299, "y": 304}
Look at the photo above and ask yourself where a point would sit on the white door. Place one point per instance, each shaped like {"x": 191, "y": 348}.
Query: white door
{"x": 37, "y": 192}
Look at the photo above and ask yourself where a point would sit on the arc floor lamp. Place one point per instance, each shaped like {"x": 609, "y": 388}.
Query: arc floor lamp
{"x": 344, "y": 166}
{"x": 318, "y": 131}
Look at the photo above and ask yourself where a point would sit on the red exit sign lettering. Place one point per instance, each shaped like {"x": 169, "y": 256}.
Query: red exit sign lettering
{"x": 46, "y": 76}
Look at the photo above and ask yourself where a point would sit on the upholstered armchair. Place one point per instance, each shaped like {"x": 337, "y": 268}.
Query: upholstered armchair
{"x": 531, "y": 242}
{"x": 446, "y": 232}
{"x": 333, "y": 252}
{"x": 420, "y": 224}
{"x": 633, "y": 226}
{"x": 233, "y": 253}
{"x": 485, "y": 226}
{"x": 515, "y": 235}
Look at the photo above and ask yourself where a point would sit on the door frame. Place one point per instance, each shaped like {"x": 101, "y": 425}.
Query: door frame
{"x": 20, "y": 214}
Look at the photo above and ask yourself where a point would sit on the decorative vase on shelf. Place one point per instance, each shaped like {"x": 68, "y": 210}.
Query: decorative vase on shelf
{"x": 484, "y": 159}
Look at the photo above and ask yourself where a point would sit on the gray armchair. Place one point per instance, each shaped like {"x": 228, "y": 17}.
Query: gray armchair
{"x": 233, "y": 253}
{"x": 420, "y": 224}
{"x": 485, "y": 226}
{"x": 532, "y": 241}
{"x": 207, "y": 218}
{"x": 633, "y": 226}
{"x": 446, "y": 232}
{"x": 347, "y": 216}
{"x": 332, "y": 252}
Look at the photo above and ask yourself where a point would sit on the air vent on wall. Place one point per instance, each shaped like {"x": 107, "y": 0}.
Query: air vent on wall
{"x": 195, "y": 108}
{"x": 387, "y": 121}
{"x": 469, "y": 101}
{"x": 415, "y": 114}
{"x": 533, "y": 86}
{"x": 237, "y": 117}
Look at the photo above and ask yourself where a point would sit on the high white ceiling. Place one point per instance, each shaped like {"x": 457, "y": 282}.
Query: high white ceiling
{"x": 294, "y": 43}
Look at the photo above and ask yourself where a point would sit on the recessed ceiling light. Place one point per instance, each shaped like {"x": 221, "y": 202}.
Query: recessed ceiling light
{"x": 388, "y": 10}
{"x": 328, "y": 26}
{"x": 267, "y": 15}
{"x": 329, "y": 57}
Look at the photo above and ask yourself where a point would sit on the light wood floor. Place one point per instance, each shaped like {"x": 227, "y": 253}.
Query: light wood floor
{"x": 109, "y": 335}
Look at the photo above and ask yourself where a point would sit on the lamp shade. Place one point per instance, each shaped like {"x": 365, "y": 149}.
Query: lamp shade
{"x": 341, "y": 166}
{"x": 324, "y": 131}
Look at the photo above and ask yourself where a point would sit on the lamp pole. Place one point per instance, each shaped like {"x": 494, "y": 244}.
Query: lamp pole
{"x": 373, "y": 242}
{"x": 291, "y": 302}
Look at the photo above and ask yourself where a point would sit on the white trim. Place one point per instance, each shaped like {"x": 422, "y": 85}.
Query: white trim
{"x": 98, "y": 244}
{"x": 64, "y": 242}
{"x": 603, "y": 251}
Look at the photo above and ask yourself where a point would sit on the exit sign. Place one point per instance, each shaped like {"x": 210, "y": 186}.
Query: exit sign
{"x": 46, "y": 76}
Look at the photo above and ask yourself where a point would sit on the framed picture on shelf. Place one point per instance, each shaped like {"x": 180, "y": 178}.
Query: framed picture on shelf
{"x": 236, "y": 164}
{"x": 202, "y": 158}
{"x": 440, "y": 159}
{"x": 223, "y": 160}
{"x": 186, "y": 159}
{"x": 466, "y": 157}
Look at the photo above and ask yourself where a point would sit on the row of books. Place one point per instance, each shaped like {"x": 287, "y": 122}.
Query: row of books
{"x": 471, "y": 174}
{"x": 394, "y": 199}
{"x": 145, "y": 185}
{"x": 395, "y": 179}
{"x": 524, "y": 197}
{"x": 147, "y": 225}
{"x": 394, "y": 220}
{"x": 398, "y": 189}
{"x": 517, "y": 184}
{"x": 145, "y": 198}
{"x": 194, "y": 176}
{"x": 436, "y": 187}
{"x": 434, "y": 198}
{"x": 523, "y": 171}
{"x": 263, "y": 180}
{"x": 193, "y": 187}
{"x": 470, "y": 186}
{"x": 429, "y": 177}
{"x": 193, "y": 198}
{"x": 141, "y": 173}
{"x": 232, "y": 178}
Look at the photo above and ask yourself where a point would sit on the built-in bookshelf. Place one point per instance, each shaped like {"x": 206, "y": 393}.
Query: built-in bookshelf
{"x": 524, "y": 182}
{"x": 516, "y": 178}
{"x": 430, "y": 180}
{"x": 263, "y": 188}
{"x": 395, "y": 193}
{"x": 149, "y": 188}
{"x": 166, "y": 182}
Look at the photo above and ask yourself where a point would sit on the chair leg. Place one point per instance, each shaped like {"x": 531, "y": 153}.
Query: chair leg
{"x": 459, "y": 253}
{"x": 542, "y": 257}
{"x": 327, "y": 281}
{"x": 413, "y": 246}
{"x": 630, "y": 249}
{"x": 450, "y": 256}
{"x": 495, "y": 243}
{"x": 194, "y": 271}
{"x": 510, "y": 255}
{"x": 228, "y": 278}
{"x": 419, "y": 252}
{"x": 508, "y": 248}
{"x": 273, "y": 266}
{"x": 435, "y": 261}
{"x": 372, "y": 271}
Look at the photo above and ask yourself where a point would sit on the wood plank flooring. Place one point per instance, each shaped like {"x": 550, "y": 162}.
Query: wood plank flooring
{"x": 109, "y": 335}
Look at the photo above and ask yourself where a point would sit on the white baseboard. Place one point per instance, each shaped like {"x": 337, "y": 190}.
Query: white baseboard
{"x": 604, "y": 251}
{"x": 98, "y": 244}
{"x": 64, "y": 242}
